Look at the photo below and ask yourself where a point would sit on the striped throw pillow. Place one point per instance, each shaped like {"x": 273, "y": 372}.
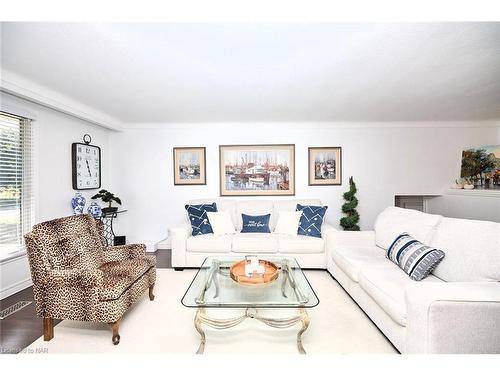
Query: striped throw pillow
{"x": 413, "y": 257}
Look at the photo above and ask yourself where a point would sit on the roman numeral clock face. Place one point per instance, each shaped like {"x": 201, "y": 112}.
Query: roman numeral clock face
{"x": 86, "y": 166}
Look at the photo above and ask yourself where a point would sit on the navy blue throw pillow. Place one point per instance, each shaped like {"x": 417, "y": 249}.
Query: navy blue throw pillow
{"x": 311, "y": 220}
{"x": 198, "y": 217}
{"x": 255, "y": 224}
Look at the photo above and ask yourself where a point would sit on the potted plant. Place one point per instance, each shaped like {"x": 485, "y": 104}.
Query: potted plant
{"x": 107, "y": 197}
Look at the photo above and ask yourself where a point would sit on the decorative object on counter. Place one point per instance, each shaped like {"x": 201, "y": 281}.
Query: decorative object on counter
{"x": 257, "y": 170}
{"x": 457, "y": 185}
{"x": 107, "y": 197}
{"x": 481, "y": 166}
{"x": 78, "y": 203}
{"x": 86, "y": 165}
{"x": 266, "y": 271}
{"x": 95, "y": 210}
{"x": 189, "y": 166}
{"x": 325, "y": 165}
{"x": 351, "y": 218}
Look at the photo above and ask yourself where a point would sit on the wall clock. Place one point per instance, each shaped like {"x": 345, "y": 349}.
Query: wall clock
{"x": 86, "y": 163}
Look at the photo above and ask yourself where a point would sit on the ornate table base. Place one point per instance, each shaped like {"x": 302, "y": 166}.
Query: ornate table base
{"x": 202, "y": 318}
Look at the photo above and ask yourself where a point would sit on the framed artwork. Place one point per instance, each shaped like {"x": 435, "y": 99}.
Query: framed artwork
{"x": 189, "y": 166}
{"x": 325, "y": 165}
{"x": 257, "y": 170}
{"x": 481, "y": 167}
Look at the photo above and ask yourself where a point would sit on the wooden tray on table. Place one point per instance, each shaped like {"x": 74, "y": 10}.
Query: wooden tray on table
{"x": 237, "y": 272}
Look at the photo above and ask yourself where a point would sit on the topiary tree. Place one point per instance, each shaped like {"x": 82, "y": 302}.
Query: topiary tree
{"x": 351, "y": 218}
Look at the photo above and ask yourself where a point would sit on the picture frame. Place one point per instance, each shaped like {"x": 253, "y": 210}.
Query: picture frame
{"x": 325, "y": 166}
{"x": 257, "y": 170}
{"x": 190, "y": 166}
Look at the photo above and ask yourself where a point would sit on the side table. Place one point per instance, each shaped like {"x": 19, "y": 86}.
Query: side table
{"x": 107, "y": 219}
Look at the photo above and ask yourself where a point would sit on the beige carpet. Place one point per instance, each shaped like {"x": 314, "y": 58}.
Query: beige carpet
{"x": 166, "y": 326}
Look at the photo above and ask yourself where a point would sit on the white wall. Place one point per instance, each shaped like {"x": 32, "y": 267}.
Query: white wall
{"x": 54, "y": 133}
{"x": 385, "y": 159}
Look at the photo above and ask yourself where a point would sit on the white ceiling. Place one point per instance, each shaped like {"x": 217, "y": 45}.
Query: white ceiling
{"x": 142, "y": 73}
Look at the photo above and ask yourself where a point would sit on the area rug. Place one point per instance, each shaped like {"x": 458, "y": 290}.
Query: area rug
{"x": 338, "y": 325}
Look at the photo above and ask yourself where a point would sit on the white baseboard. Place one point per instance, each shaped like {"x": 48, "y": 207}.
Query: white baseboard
{"x": 14, "y": 288}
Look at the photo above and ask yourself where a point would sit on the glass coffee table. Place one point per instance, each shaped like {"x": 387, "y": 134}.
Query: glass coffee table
{"x": 213, "y": 287}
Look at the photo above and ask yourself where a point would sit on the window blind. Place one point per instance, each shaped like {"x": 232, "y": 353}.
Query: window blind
{"x": 16, "y": 183}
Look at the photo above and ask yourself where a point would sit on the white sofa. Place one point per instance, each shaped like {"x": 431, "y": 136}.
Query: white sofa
{"x": 454, "y": 310}
{"x": 190, "y": 251}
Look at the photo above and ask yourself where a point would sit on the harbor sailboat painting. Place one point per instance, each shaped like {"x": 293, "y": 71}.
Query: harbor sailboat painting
{"x": 189, "y": 166}
{"x": 257, "y": 170}
{"x": 325, "y": 166}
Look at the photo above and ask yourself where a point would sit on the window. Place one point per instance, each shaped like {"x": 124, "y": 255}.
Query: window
{"x": 16, "y": 183}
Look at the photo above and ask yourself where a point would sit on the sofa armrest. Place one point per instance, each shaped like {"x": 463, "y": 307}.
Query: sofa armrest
{"x": 123, "y": 252}
{"x": 453, "y": 317}
{"x": 362, "y": 238}
{"x": 179, "y": 236}
{"x": 86, "y": 278}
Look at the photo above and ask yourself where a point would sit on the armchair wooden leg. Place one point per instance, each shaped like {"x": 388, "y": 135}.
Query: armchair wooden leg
{"x": 116, "y": 336}
{"x": 151, "y": 295}
{"x": 48, "y": 329}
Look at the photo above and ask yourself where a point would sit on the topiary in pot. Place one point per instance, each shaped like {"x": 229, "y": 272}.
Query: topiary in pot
{"x": 107, "y": 197}
{"x": 351, "y": 218}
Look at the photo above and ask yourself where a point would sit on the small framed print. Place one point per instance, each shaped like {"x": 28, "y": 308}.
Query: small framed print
{"x": 189, "y": 166}
{"x": 325, "y": 165}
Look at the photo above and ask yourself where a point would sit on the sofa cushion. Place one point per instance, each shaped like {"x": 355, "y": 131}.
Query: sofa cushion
{"x": 255, "y": 243}
{"x": 209, "y": 243}
{"x": 386, "y": 286}
{"x": 472, "y": 249}
{"x": 413, "y": 257}
{"x": 198, "y": 217}
{"x": 118, "y": 276}
{"x": 254, "y": 208}
{"x": 352, "y": 260}
{"x": 394, "y": 220}
{"x": 288, "y": 244}
{"x": 255, "y": 224}
{"x": 311, "y": 220}
{"x": 228, "y": 205}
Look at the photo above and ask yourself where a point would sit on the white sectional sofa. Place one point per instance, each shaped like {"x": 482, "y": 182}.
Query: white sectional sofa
{"x": 190, "y": 251}
{"x": 454, "y": 310}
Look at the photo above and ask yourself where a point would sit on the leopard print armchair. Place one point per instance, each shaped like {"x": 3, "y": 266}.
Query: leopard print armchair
{"x": 76, "y": 277}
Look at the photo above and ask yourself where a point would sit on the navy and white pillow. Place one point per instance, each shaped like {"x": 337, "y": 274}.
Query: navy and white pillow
{"x": 255, "y": 224}
{"x": 311, "y": 220}
{"x": 198, "y": 217}
{"x": 413, "y": 257}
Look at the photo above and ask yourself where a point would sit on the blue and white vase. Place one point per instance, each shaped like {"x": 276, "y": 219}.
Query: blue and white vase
{"x": 78, "y": 203}
{"x": 95, "y": 210}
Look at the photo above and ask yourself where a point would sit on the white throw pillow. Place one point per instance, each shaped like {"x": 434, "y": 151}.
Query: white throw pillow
{"x": 221, "y": 223}
{"x": 288, "y": 222}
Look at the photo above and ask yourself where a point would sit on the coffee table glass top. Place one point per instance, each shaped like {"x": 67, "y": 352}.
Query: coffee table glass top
{"x": 213, "y": 286}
